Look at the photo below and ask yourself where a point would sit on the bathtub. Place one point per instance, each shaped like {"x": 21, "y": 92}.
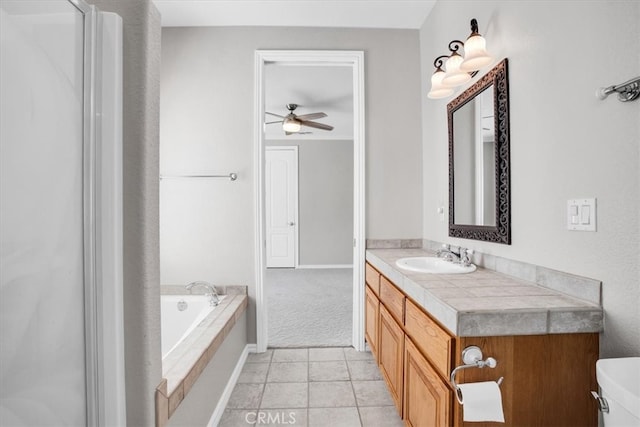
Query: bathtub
{"x": 177, "y": 324}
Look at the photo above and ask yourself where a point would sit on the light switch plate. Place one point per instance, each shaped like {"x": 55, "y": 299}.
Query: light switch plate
{"x": 581, "y": 214}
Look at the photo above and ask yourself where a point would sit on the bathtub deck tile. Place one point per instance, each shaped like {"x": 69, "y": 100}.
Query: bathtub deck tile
{"x": 182, "y": 367}
{"x": 175, "y": 398}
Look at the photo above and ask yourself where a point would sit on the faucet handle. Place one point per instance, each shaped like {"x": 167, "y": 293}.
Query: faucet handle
{"x": 465, "y": 256}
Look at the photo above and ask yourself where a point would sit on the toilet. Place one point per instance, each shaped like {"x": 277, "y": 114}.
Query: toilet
{"x": 619, "y": 381}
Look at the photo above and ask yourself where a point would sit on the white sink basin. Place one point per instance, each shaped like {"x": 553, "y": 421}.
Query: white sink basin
{"x": 619, "y": 380}
{"x": 433, "y": 265}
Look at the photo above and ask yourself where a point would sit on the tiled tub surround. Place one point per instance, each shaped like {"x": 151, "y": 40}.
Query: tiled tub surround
{"x": 184, "y": 364}
{"x": 492, "y": 303}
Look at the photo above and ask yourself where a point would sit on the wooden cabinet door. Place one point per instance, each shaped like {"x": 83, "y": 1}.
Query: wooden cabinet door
{"x": 391, "y": 351}
{"x": 427, "y": 399}
{"x": 372, "y": 314}
{"x": 372, "y": 278}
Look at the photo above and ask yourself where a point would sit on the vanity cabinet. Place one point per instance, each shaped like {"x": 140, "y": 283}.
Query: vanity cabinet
{"x": 371, "y": 314}
{"x": 427, "y": 398}
{"x": 430, "y": 338}
{"x": 391, "y": 355}
{"x": 547, "y": 378}
{"x": 372, "y": 309}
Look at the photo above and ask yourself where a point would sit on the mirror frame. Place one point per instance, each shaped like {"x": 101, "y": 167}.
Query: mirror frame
{"x": 501, "y": 232}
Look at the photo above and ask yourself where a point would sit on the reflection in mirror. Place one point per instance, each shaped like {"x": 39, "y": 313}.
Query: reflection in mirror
{"x": 479, "y": 160}
{"x": 474, "y": 157}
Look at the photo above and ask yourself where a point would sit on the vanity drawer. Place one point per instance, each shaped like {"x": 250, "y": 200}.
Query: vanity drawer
{"x": 372, "y": 278}
{"x": 392, "y": 298}
{"x": 429, "y": 337}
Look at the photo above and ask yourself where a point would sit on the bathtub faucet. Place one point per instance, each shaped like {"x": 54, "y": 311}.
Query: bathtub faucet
{"x": 212, "y": 294}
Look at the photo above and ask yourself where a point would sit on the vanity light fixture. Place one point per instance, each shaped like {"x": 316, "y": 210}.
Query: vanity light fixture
{"x": 627, "y": 91}
{"x": 459, "y": 69}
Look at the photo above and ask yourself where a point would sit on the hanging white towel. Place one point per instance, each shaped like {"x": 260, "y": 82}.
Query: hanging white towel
{"x": 482, "y": 402}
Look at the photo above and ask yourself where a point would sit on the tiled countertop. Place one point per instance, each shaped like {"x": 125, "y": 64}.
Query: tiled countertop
{"x": 487, "y": 303}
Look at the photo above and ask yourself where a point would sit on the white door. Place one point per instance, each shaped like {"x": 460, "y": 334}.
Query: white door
{"x": 281, "y": 196}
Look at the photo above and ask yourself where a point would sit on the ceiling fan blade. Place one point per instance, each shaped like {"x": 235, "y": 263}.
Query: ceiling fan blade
{"x": 270, "y": 123}
{"x": 273, "y": 114}
{"x": 297, "y": 133}
{"x": 316, "y": 125}
{"x": 311, "y": 116}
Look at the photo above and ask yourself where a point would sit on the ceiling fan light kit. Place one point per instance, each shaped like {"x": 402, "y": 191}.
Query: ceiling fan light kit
{"x": 459, "y": 69}
{"x": 292, "y": 123}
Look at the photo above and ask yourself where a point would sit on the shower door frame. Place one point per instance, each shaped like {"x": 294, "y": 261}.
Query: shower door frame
{"x": 102, "y": 225}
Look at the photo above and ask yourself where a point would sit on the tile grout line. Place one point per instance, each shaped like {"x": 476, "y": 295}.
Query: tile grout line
{"x": 308, "y": 385}
{"x": 266, "y": 380}
{"x": 353, "y": 390}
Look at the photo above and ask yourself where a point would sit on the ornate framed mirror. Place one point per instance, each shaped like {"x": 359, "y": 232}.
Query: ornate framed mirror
{"x": 479, "y": 165}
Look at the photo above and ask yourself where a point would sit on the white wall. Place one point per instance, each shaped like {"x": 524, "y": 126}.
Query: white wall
{"x": 207, "y": 126}
{"x": 565, "y": 143}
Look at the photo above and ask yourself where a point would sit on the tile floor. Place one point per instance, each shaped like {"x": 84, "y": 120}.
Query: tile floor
{"x": 336, "y": 387}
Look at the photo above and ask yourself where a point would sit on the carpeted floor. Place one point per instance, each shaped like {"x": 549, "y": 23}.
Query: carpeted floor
{"x": 309, "y": 307}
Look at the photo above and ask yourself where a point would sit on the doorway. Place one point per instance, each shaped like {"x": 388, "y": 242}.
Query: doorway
{"x": 355, "y": 62}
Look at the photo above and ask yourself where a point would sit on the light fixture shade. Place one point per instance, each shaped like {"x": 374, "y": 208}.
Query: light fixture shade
{"x": 291, "y": 125}
{"x": 438, "y": 90}
{"x": 455, "y": 76}
{"x": 475, "y": 54}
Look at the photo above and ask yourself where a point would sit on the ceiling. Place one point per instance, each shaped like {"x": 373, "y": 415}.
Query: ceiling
{"x": 314, "y": 89}
{"x": 295, "y": 13}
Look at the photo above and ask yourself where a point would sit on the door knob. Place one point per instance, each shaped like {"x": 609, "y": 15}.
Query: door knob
{"x": 292, "y": 223}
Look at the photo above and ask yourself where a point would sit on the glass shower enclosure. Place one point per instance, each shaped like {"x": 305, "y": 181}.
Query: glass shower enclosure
{"x": 61, "y": 339}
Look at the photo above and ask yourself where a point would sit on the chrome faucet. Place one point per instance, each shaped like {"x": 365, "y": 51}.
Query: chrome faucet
{"x": 448, "y": 254}
{"x": 462, "y": 256}
{"x": 214, "y": 299}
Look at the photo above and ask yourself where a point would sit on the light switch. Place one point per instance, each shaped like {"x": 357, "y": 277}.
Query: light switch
{"x": 573, "y": 214}
{"x": 585, "y": 214}
{"x": 581, "y": 214}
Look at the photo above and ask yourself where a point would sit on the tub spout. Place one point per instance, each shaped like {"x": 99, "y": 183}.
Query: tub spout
{"x": 211, "y": 291}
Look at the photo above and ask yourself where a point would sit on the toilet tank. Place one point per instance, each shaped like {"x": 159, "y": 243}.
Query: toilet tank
{"x": 619, "y": 381}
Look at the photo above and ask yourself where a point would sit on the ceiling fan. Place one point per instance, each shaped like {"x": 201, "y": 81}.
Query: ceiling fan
{"x": 292, "y": 123}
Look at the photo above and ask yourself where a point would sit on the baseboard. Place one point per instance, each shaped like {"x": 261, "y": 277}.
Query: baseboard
{"x": 226, "y": 393}
{"x": 325, "y": 266}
